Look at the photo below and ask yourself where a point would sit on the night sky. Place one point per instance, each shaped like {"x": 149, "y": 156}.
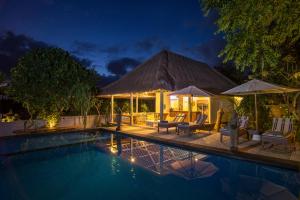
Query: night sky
{"x": 114, "y": 35}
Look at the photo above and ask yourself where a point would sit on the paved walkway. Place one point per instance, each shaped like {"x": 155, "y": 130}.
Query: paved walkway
{"x": 211, "y": 141}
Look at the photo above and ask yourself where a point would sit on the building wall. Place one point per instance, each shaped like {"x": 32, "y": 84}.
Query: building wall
{"x": 214, "y": 104}
{"x": 8, "y": 128}
{"x": 166, "y": 102}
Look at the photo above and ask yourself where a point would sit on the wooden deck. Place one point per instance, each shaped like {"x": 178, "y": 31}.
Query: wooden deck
{"x": 209, "y": 142}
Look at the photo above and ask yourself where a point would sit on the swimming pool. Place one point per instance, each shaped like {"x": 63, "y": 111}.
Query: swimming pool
{"x": 25, "y": 143}
{"x": 142, "y": 170}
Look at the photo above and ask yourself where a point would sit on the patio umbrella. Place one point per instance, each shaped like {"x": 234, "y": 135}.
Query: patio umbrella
{"x": 192, "y": 91}
{"x": 191, "y": 169}
{"x": 255, "y": 87}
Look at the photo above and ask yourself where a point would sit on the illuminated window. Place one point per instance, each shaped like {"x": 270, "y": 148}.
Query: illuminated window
{"x": 185, "y": 104}
{"x": 202, "y": 106}
{"x": 174, "y": 103}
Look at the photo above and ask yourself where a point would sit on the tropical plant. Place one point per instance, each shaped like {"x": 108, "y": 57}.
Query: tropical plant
{"x": 42, "y": 81}
{"x": 144, "y": 107}
{"x": 10, "y": 117}
{"x": 82, "y": 100}
{"x": 246, "y": 107}
{"x": 105, "y": 108}
{"x": 126, "y": 107}
{"x": 97, "y": 103}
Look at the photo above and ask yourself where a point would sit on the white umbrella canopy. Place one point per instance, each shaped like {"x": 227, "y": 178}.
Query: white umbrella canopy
{"x": 193, "y": 91}
{"x": 255, "y": 87}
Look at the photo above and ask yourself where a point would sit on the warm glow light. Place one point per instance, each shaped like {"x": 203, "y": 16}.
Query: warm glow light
{"x": 172, "y": 97}
{"x": 174, "y": 102}
{"x": 113, "y": 150}
{"x": 51, "y": 123}
{"x": 196, "y": 159}
{"x": 132, "y": 159}
{"x": 238, "y": 100}
{"x": 185, "y": 104}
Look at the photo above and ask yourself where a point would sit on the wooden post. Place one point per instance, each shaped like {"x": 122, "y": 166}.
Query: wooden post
{"x": 137, "y": 103}
{"x": 161, "y": 102}
{"x": 112, "y": 108}
{"x": 190, "y": 109}
{"x": 131, "y": 108}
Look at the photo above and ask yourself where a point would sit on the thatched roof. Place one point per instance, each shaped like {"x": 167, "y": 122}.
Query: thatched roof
{"x": 170, "y": 71}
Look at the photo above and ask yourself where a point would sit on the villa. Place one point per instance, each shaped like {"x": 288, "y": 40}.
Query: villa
{"x": 82, "y": 118}
{"x": 166, "y": 72}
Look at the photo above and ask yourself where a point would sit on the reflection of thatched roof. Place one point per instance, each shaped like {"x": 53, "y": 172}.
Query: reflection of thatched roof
{"x": 169, "y": 71}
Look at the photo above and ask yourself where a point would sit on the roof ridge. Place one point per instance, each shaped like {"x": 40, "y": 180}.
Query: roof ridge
{"x": 162, "y": 74}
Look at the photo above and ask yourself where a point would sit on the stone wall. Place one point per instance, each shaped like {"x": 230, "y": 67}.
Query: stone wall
{"x": 93, "y": 121}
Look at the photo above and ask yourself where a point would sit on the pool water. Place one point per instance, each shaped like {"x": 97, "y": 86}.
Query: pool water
{"x": 85, "y": 171}
{"x": 12, "y": 145}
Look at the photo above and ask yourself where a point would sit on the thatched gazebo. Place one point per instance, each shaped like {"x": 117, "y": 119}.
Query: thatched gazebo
{"x": 163, "y": 73}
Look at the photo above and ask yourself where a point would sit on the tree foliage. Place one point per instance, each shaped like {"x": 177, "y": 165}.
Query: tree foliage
{"x": 262, "y": 35}
{"x": 43, "y": 80}
{"x": 230, "y": 71}
{"x": 2, "y": 77}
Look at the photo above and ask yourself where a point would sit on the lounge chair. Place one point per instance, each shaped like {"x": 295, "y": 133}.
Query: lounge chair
{"x": 242, "y": 128}
{"x": 281, "y": 133}
{"x": 179, "y": 118}
{"x": 190, "y": 127}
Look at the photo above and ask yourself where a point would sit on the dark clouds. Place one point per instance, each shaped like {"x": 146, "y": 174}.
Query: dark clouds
{"x": 208, "y": 51}
{"x": 117, "y": 68}
{"x": 102, "y": 31}
{"x": 121, "y": 66}
{"x": 117, "y": 63}
{"x": 148, "y": 44}
{"x": 83, "y": 47}
{"x": 13, "y": 46}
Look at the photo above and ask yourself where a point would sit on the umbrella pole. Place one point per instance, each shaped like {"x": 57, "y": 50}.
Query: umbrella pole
{"x": 256, "y": 112}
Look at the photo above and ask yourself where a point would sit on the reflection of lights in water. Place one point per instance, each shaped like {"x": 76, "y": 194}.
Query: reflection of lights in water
{"x": 115, "y": 166}
{"x": 133, "y": 173}
{"x": 113, "y": 150}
